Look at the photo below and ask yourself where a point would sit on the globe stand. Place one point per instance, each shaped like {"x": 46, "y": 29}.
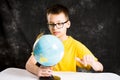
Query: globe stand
{"x": 50, "y": 78}
{"x": 46, "y": 78}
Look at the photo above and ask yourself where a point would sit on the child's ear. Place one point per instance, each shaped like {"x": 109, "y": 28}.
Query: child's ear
{"x": 68, "y": 24}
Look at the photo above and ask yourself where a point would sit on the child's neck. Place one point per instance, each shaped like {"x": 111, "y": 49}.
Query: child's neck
{"x": 63, "y": 38}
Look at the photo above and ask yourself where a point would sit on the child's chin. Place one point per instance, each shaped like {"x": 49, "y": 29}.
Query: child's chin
{"x": 56, "y": 35}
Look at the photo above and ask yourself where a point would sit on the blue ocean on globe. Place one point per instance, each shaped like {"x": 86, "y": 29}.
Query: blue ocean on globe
{"x": 48, "y": 50}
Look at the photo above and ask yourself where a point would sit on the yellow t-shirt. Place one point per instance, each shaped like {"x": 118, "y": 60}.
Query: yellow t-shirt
{"x": 72, "y": 49}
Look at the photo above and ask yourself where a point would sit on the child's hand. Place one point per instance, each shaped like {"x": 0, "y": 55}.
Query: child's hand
{"x": 87, "y": 60}
{"x": 44, "y": 71}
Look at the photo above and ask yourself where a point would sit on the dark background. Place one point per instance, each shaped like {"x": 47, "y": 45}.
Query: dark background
{"x": 96, "y": 23}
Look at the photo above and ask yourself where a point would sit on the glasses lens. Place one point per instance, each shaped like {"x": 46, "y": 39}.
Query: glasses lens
{"x": 59, "y": 25}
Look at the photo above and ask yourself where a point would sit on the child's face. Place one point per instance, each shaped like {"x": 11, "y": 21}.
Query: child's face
{"x": 58, "y": 24}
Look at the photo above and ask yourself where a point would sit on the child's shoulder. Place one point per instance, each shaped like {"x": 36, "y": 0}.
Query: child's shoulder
{"x": 75, "y": 41}
{"x": 39, "y": 35}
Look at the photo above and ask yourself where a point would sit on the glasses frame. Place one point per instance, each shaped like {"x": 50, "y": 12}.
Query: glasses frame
{"x": 58, "y": 25}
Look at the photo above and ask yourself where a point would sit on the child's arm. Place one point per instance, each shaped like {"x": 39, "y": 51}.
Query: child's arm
{"x": 35, "y": 69}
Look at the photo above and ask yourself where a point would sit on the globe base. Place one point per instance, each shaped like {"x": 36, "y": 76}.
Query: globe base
{"x": 50, "y": 78}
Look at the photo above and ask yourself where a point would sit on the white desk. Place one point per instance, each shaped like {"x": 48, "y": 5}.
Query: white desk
{"x": 22, "y": 74}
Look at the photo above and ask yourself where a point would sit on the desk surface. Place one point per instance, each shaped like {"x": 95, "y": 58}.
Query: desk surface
{"x": 22, "y": 74}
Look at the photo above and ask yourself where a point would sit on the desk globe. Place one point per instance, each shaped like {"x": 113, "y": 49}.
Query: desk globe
{"x": 48, "y": 50}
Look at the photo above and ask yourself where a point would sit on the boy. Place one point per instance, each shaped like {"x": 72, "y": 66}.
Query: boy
{"x": 75, "y": 53}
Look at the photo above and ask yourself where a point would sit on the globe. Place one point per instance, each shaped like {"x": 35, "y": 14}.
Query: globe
{"x": 48, "y": 50}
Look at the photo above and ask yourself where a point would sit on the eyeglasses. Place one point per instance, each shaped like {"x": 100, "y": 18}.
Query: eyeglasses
{"x": 57, "y": 25}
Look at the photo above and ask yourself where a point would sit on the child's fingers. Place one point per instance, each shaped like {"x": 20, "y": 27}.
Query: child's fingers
{"x": 81, "y": 61}
{"x": 44, "y": 72}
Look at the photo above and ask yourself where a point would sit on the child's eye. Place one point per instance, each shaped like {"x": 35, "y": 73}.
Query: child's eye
{"x": 59, "y": 24}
